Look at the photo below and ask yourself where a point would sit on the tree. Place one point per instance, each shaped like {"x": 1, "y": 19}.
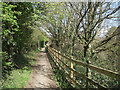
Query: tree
{"x": 17, "y": 20}
{"x": 80, "y": 26}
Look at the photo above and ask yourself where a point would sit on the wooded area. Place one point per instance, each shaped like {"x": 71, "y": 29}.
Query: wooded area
{"x": 86, "y": 31}
{"x": 71, "y": 73}
{"x": 78, "y": 35}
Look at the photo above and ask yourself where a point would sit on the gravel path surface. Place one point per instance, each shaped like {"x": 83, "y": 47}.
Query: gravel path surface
{"x": 42, "y": 75}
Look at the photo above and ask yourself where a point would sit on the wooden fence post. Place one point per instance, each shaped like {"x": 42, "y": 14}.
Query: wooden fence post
{"x": 72, "y": 68}
{"x": 88, "y": 75}
{"x": 89, "y": 72}
{"x": 49, "y": 51}
{"x": 56, "y": 58}
{"x": 64, "y": 60}
{"x": 59, "y": 60}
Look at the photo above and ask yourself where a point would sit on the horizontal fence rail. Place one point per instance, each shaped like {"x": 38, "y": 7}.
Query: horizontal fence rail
{"x": 68, "y": 77}
{"x": 56, "y": 56}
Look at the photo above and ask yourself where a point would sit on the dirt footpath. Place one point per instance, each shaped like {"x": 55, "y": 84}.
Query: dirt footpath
{"x": 42, "y": 75}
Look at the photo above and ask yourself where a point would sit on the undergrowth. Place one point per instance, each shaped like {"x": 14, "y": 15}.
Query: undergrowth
{"x": 59, "y": 75}
{"x": 19, "y": 76}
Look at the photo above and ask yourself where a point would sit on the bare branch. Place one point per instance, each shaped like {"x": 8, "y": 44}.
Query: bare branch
{"x": 115, "y": 33}
{"x": 108, "y": 48}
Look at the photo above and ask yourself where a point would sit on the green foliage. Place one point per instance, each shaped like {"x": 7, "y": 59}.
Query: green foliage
{"x": 18, "y": 18}
{"x": 14, "y": 37}
{"x": 21, "y": 33}
{"x": 61, "y": 79}
{"x": 37, "y": 50}
{"x": 38, "y": 35}
{"x": 78, "y": 36}
{"x": 19, "y": 77}
{"x": 59, "y": 75}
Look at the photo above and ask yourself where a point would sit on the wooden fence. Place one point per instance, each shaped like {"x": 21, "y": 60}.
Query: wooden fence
{"x": 60, "y": 60}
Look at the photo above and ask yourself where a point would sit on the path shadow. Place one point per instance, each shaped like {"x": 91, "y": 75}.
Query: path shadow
{"x": 42, "y": 51}
{"x": 37, "y": 66}
{"x": 49, "y": 86}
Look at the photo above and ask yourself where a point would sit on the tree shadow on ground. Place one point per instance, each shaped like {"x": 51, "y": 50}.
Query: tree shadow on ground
{"x": 21, "y": 61}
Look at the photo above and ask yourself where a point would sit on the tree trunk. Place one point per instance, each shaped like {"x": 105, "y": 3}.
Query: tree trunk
{"x": 85, "y": 57}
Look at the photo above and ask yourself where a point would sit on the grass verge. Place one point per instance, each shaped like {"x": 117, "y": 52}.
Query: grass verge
{"x": 19, "y": 77}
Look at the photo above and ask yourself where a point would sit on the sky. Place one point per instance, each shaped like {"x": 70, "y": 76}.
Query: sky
{"x": 111, "y": 22}
{"x": 107, "y": 23}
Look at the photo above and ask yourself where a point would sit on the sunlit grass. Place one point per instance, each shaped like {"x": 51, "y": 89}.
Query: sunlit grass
{"x": 19, "y": 77}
